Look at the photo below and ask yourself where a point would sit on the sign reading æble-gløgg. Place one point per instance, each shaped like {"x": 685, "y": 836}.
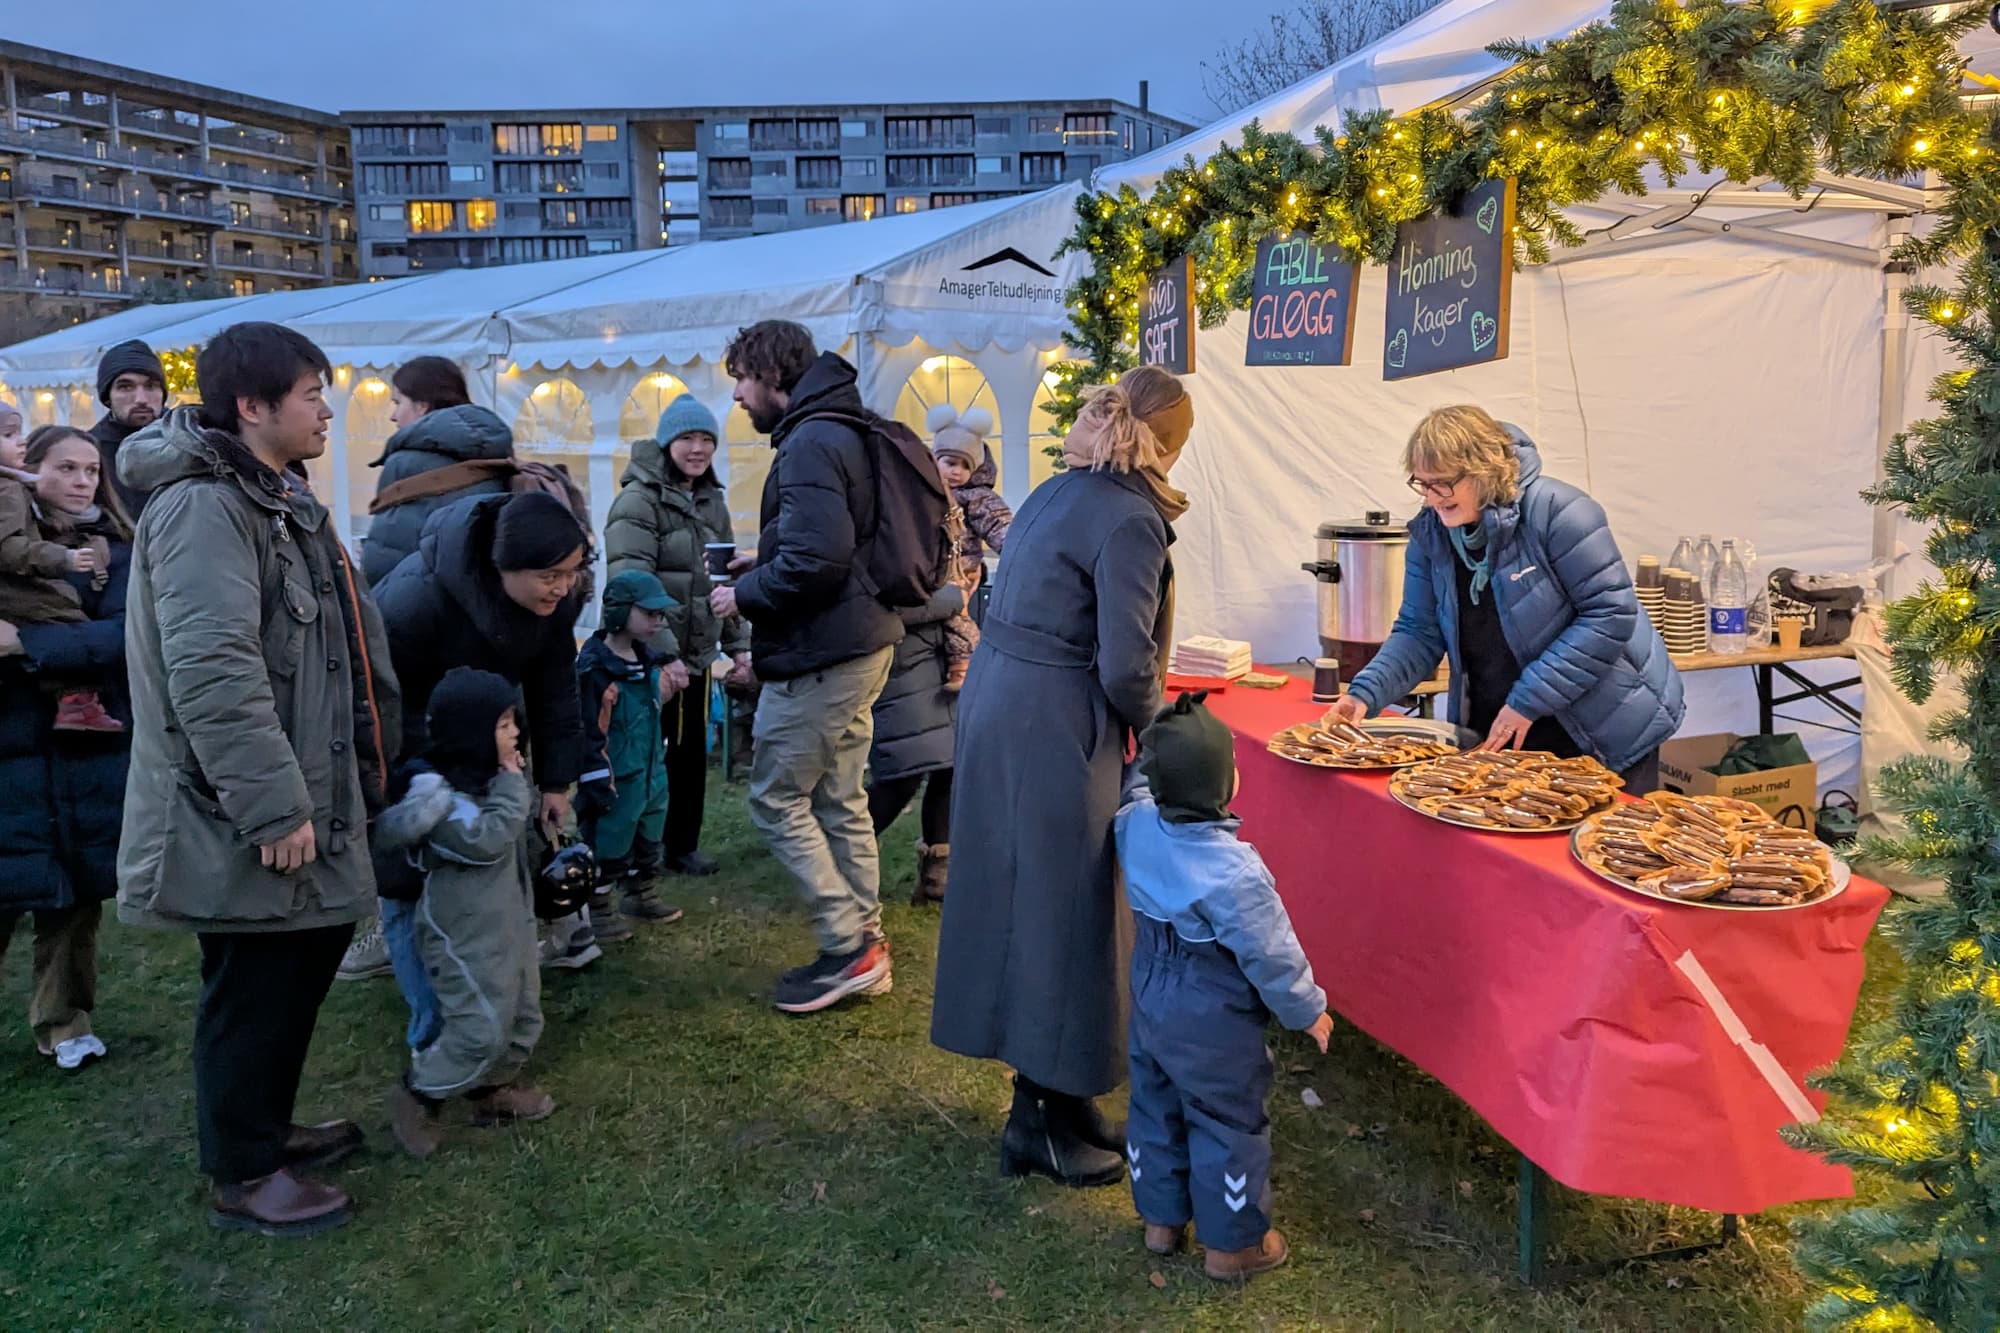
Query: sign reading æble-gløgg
{"x": 1166, "y": 318}
{"x": 1451, "y": 280}
{"x": 1301, "y": 305}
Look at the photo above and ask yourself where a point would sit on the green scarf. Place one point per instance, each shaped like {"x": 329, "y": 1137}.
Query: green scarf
{"x": 1469, "y": 540}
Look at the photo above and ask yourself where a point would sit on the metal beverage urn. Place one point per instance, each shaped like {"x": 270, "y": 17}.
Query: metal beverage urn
{"x": 1360, "y": 573}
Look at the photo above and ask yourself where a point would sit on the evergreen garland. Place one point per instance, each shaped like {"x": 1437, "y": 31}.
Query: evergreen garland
{"x": 1777, "y": 90}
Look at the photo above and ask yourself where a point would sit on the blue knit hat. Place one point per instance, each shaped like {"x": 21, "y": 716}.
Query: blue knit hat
{"x": 685, "y": 416}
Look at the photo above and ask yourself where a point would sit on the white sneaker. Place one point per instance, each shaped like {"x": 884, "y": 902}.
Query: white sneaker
{"x": 368, "y": 956}
{"x": 572, "y": 951}
{"x": 79, "y": 1051}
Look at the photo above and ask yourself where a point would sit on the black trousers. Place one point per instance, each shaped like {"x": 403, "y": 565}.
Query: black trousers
{"x": 685, "y": 723}
{"x": 260, "y": 998}
{"x": 888, "y": 798}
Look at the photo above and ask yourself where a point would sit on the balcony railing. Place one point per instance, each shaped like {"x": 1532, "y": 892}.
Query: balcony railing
{"x": 72, "y": 107}
{"x": 44, "y": 238}
{"x": 928, "y": 143}
{"x": 158, "y": 122}
{"x": 241, "y": 138}
{"x": 421, "y": 148}
{"x": 275, "y": 224}
{"x": 60, "y": 281}
{"x": 345, "y": 268}
{"x": 165, "y": 253}
{"x": 587, "y": 224}
{"x": 266, "y": 263}
{"x": 74, "y": 144}
{"x": 122, "y": 199}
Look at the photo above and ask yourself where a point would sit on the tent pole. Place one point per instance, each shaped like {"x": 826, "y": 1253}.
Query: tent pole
{"x": 1895, "y": 358}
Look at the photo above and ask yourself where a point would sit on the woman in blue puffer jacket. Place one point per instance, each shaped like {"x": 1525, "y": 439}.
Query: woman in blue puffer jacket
{"x": 445, "y": 447}
{"x": 1515, "y": 578}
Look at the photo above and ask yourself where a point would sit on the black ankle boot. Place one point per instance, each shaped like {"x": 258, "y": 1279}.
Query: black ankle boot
{"x": 1092, "y": 1127}
{"x": 1040, "y": 1139}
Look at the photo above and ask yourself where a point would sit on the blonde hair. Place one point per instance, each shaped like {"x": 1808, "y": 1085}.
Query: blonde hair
{"x": 1112, "y": 430}
{"x": 1464, "y": 439}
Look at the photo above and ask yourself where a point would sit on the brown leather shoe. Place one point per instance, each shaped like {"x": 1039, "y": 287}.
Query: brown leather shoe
{"x": 1241, "y": 1265}
{"x": 280, "y": 1204}
{"x": 510, "y": 1105}
{"x": 1165, "y": 1240}
{"x": 308, "y": 1147}
{"x": 413, "y": 1122}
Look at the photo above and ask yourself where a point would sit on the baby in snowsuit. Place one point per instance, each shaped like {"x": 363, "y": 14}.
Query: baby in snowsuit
{"x": 965, "y": 465}
{"x": 464, "y": 824}
{"x": 1214, "y": 959}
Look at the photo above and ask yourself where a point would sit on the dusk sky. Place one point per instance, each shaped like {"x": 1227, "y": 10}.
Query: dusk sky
{"x": 376, "y": 54}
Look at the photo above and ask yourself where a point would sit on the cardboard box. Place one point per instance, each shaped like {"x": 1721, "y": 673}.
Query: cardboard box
{"x": 1784, "y": 793}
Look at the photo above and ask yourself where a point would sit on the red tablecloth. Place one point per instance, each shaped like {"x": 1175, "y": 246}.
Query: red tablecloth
{"x": 1627, "y": 1046}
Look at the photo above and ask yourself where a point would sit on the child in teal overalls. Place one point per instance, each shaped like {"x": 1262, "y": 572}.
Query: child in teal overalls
{"x": 621, "y": 799}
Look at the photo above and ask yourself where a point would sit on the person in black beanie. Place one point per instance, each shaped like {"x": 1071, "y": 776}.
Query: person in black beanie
{"x": 494, "y": 584}
{"x": 133, "y": 388}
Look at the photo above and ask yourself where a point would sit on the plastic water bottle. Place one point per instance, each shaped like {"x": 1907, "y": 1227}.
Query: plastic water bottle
{"x": 1705, "y": 556}
{"x": 1728, "y": 603}
{"x": 1683, "y": 557}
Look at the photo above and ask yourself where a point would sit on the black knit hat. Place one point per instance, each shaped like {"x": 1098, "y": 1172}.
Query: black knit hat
{"x": 127, "y": 358}
{"x": 464, "y": 709}
{"x": 1189, "y": 759}
{"x": 535, "y": 531}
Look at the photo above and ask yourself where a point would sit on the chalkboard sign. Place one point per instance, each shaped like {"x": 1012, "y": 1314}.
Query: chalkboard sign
{"x": 1301, "y": 305}
{"x": 1166, "y": 319}
{"x": 1451, "y": 280}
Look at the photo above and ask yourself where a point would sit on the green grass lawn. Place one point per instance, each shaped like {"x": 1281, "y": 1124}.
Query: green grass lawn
{"x": 715, "y": 1164}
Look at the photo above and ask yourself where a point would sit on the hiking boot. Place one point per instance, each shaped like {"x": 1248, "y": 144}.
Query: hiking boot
{"x": 510, "y": 1104}
{"x": 933, "y": 868}
{"x": 1039, "y": 1142}
{"x": 642, "y": 904}
{"x": 694, "y": 863}
{"x": 607, "y": 924}
{"x": 308, "y": 1147}
{"x": 82, "y": 710}
{"x": 368, "y": 956}
{"x": 830, "y": 978}
{"x": 413, "y": 1119}
{"x": 1241, "y": 1265}
{"x": 1165, "y": 1240}
{"x": 280, "y": 1204}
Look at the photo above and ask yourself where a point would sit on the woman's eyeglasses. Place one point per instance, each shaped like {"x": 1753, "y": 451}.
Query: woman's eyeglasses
{"x": 1436, "y": 490}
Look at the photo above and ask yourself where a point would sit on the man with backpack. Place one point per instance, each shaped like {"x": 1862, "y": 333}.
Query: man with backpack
{"x": 819, "y": 597}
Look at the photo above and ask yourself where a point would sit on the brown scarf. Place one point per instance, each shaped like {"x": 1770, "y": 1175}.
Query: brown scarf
{"x": 1108, "y": 435}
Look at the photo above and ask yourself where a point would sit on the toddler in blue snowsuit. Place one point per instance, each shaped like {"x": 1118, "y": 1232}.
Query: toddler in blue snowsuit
{"x": 1214, "y": 959}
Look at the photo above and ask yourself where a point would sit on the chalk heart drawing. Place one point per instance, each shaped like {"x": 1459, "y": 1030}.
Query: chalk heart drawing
{"x": 1399, "y": 348}
{"x": 1488, "y": 214}
{"x": 1483, "y": 329}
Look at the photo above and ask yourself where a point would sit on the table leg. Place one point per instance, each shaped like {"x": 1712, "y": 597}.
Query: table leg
{"x": 1764, "y": 706}
{"x": 1534, "y": 1221}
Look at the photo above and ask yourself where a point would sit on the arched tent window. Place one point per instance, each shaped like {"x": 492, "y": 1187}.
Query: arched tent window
{"x": 641, "y": 414}
{"x": 1042, "y": 433}
{"x": 82, "y": 409}
{"x": 749, "y": 464}
{"x": 553, "y": 427}
{"x": 367, "y": 428}
{"x": 42, "y": 408}
{"x": 947, "y": 379}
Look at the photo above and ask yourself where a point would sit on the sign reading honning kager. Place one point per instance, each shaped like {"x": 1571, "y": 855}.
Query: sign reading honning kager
{"x": 1301, "y": 305}
{"x": 1451, "y": 281}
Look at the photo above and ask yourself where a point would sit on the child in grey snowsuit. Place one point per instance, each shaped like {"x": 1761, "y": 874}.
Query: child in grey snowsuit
{"x": 1214, "y": 959}
{"x": 965, "y": 465}
{"x": 464, "y": 825}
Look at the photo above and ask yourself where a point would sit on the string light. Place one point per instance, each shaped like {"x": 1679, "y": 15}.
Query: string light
{"x": 1922, "y": 145}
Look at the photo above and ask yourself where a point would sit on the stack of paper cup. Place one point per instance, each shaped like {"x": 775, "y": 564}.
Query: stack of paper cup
{"x": 1685, "y": 623}
{"x": 1651, "y": 586}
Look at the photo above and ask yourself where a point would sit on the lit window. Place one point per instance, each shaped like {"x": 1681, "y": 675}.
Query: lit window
{"x": 479, "y": 215}
{"x": 428, "y": 217}
{"x": 822, "y": 207}
{"x": 600, "y": 134}
{"x": 909, "y": 203}
{"x": 861, "y": 207}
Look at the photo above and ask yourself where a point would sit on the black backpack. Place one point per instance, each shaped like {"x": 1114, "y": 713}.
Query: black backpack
{"x": 911, "y": 552}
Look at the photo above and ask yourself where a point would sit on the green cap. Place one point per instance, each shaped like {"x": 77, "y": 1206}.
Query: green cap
{"x": 633, "y": 588}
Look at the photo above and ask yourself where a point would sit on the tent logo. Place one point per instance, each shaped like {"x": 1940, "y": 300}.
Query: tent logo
{"x": 1008, "y": 256}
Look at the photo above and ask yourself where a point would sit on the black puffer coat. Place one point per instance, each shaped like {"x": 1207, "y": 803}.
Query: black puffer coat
{"x": 444, "y": 607}
{"x": 65, "y": 791}
{"x": 916, "y": 717}
{"x": 462, "y": 434}
{"x": 807, "y": 608}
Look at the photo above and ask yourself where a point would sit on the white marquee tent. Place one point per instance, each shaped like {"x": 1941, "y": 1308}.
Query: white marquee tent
{"x": 1725, "y": 360}
{"x": 962, "y": 305}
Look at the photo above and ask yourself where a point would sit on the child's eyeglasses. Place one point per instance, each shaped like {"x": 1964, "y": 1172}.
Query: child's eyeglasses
{"x": 1437, "y": 490}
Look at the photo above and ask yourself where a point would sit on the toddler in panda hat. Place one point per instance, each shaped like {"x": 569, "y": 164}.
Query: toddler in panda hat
{"x": 958, "y": 442}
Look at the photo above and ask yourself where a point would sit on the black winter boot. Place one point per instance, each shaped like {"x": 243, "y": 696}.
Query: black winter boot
{"x": 1091, "y": 1126}
{"x": 1041, "y": 1140}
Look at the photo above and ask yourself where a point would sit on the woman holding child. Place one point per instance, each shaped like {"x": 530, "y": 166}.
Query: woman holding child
{"x": 1031, "y": 959}
{"x": 65, "y": 787}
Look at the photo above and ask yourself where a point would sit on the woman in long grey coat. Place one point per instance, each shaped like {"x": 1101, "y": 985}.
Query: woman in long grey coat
{"x": 1032, "y": 956}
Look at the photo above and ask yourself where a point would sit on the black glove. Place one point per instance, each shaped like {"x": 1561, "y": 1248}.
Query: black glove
{"x": 596, "y": 797}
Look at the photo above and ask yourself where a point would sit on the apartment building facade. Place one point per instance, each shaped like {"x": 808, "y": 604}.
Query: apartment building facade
{"x": 470, "y": 189}
{"x": 118, "y": 186}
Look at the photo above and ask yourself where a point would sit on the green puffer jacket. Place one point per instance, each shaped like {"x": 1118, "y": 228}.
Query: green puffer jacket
{"x": 661, "y": 527}
{"x": 261, "y": 694}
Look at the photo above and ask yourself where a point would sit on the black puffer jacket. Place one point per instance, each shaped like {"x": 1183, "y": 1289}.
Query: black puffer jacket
{"x": 463, "y": 434}
{"x": 111, "y": 434}
{"x": 807, "y": 609}
{"x": 444, "y": 608}
{"x": 916, "y": 717}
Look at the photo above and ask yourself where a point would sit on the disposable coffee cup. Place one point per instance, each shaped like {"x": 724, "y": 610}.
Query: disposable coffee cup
{"x": 1790, "y": 630}
{"x": 718, "y": 555}
{"x": 1326, "y": 680}
{"x": 1649, "y": 571}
